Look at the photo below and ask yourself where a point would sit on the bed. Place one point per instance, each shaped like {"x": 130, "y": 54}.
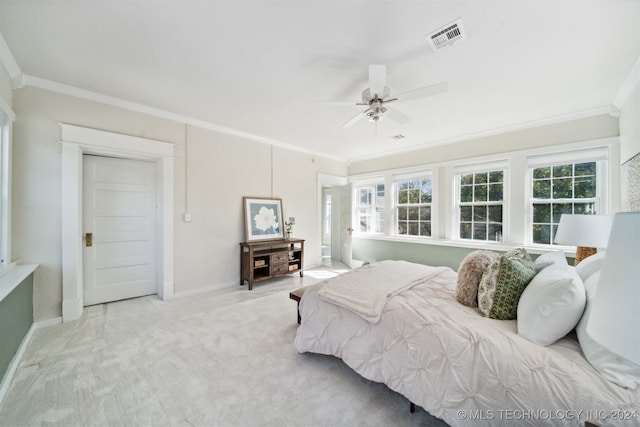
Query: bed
{"x": 455, "y": 363}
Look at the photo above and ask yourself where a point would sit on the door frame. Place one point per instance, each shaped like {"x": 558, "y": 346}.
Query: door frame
{"x": 76, "y": 142}
{"x": 325, "y": 180}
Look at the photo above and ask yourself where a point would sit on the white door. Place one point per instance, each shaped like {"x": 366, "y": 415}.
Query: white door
{"x": 347, "y": 223}
{"x": 119, "y": 211}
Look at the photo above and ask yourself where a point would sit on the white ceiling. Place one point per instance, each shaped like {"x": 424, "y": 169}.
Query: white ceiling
{"x": 257, "y": 67}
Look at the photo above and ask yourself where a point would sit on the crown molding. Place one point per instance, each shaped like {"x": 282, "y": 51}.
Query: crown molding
{"x": 10, "y": 64}
{"x": 604, "y": 110}
{"x": 64, "y": 89}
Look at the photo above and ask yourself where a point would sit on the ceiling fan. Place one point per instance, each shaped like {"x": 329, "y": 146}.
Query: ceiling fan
{"x": 377, "y": 96}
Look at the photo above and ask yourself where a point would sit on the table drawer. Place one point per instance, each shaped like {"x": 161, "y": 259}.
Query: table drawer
{"x": 279, "y": 268}
{"x": 279, "y": 258}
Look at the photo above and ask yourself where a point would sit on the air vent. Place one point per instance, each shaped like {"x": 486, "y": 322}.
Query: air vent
{"x": 447, "y": 35}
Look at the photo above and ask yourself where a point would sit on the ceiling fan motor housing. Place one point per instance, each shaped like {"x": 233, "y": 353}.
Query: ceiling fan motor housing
{"x": 367, "y": 97}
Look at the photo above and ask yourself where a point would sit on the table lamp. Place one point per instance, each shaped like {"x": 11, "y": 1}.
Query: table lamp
{"x": 586, "y": 232}
{"x": 615, "y": 316}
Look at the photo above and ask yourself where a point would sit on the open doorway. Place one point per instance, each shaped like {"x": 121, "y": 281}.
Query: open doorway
{"x": 330, "y": 221}
{"x": 326, "y": 225}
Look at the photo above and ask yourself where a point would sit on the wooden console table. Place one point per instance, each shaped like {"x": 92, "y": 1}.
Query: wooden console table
{"x": 269, "y": 259}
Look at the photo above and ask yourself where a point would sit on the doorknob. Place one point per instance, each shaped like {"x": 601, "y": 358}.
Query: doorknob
{"x": 350, "y": 230}
{"x": 88, "y": 237}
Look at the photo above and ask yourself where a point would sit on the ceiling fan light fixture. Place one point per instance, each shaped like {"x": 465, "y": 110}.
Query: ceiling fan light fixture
{"x": 375, "y": 102}
{"x": 376, "y": 111}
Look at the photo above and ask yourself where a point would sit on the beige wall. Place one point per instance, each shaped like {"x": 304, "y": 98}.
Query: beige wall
{"x": 630, "y": 126}
{"x": 551, "y": 135}
{"x": 221, "y": 169}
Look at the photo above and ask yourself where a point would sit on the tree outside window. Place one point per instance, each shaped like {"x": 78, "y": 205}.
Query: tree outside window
{"x": 480, "y": 205}
{"x": 561, "y": 189}
{"x": 413, "y": 207}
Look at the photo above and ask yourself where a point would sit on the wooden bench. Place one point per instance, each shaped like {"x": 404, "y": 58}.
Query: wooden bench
{"x": 297, "y": 296}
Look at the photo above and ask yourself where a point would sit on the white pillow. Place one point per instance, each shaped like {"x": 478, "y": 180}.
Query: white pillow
{"x": 551, "y": 306}
{"x": 590, "y": 265}
{"x": 613, "y": 367}
{"x": 551, "y": 258}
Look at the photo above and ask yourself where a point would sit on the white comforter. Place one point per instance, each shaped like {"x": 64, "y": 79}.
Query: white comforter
{"x": 366, "y": 290}
{"x": 462, "y": 367}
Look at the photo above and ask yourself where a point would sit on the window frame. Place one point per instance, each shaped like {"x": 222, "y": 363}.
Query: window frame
{"x": 357, "y": 186}
{"x": 516, "y": 207}
{"x": 7, "y": 117}
{"x": 480, "y": 168}
{"x": 600, "y": 155}
{"x": 405, "y": 177}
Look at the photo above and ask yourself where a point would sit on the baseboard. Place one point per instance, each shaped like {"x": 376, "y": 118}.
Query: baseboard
{"x": 48, "y": 322}
{"x": 71, "y": 309}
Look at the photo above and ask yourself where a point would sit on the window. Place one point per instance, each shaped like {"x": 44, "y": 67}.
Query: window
{"x": 480, "y": 198}
{"x": 413, "y": 207}
{"x": 6, "y": 118}
{"x": 561, "y": 189}
{"x": 370, "y": 208}
{"x": 510, "y": 198}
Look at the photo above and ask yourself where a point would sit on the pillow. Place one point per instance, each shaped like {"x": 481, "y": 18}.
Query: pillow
{"x": 549, "y": 259}
{"x": 551, "y": 305}
{"x": 613, "y": 367}
{"x": 502, "y": 284}
{"x": 590, "y": 265}
{"x": 469, "y": 274}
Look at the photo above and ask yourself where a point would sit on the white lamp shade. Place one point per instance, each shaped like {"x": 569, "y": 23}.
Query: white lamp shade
{"x": 615, "y": 317}
{"x": 590, "y": 231}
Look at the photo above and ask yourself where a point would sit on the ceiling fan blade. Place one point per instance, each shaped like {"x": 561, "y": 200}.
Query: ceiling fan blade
{"x": 397, "y": 116}
{"x": 422, "y": 92}
{"x": 377, "y": 80}
{"x": 335, "y": 103}
{"x": 355, "y": 120}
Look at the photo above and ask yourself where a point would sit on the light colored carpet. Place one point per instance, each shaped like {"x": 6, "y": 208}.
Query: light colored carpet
{"x": 224, "y": 358}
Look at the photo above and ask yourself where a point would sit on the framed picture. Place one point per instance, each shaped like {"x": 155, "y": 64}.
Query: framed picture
{"x": 263, "y": 218}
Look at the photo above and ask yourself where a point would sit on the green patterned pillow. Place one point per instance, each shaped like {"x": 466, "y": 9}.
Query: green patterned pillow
{"x": 502, "y": 284}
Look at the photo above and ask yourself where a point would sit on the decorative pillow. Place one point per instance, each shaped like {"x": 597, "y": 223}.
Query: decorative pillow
{"x": 613, "y": 367}
{"x": 590, "y": 265}
{"x": 469, "y": 274}
{"x": 502, "y": 284}
{"x": 551, "y": 305}
{"x": 549, "y": 259}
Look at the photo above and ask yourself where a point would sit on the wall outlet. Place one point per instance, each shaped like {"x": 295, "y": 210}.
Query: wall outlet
{"x": 187, "y": 217}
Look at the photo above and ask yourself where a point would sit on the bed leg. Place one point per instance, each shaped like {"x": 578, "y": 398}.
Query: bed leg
{"x": 412, "y": 407}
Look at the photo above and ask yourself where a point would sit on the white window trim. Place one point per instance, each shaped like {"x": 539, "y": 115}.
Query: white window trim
{"x": 495, "y": 165}
{"x": 363, "y": 182}
{"x": 602, "y": 155}
{"x": 516, "y": 191}
{"x": 6, "y": 147}
{"x": 392, "y": 226}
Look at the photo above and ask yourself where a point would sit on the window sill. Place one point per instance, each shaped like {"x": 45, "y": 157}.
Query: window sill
{"x": 471, "y": 244}
{"x": 12, "y": 276}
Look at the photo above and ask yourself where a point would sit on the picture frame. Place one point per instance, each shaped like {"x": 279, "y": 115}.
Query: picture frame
{"x": 263, "y": 218}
